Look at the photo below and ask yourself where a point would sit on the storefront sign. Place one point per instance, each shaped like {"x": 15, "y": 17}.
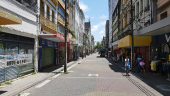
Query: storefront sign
{"x": 47, "y": 43}
{"x": 11, "y": 60}
{"x": 165, "y": 38}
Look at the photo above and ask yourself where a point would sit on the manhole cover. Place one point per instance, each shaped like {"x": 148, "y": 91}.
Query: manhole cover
{"x": 164, "y": 87}
{"x": 93, "y": 75}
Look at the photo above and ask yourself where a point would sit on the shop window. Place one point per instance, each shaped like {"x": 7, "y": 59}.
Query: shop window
{"x": 12, "y": 48}
{"x": 2, "y": 48}
{"x": 163, "y": 15}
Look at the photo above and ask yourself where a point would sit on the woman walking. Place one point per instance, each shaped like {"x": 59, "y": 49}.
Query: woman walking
{"x": 142, "y": 68}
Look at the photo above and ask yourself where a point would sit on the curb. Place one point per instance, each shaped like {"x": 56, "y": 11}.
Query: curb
{"x": 16, "y": 92}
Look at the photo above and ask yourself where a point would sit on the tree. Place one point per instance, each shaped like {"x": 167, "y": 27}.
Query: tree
{"x": 98, "y": 46}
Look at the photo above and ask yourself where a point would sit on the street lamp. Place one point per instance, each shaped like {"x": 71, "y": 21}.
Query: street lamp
{"x": 65, "y": 65}
{"x": 132, "y": 41}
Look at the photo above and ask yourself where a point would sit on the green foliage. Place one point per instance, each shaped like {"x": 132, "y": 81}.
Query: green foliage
{"x": 1, "y": 28}
{"x": 73, "y": 37}
{"x": 33, "y": 73}
{"x": 81, "y": 10}
{"x": 66, "y": 73}
{"x": 8, "y": 82}
{"x": 98, "y": 46}
{"x": 73, "y": 31}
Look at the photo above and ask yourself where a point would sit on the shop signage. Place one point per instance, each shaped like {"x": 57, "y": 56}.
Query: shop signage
{"x": 165, "y": 38}
{"x": 11, "y": 60}
{"x": 47, "y": 43}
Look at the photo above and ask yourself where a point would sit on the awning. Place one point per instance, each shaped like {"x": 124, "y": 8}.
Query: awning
{"x": 56, "y": 37}
{"x": 7, "y": 18}
{"x": 138, "y": 41}
{"x": 158, "y": 28}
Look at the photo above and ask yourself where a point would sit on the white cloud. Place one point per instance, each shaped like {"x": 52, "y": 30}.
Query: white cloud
{"x": 102, "y": 31}
{"x": 86, "y": 16}
{"x": 83, "y": 6}
{"x": 95, "y": 27}
{"x": 103, "y": 17}
{"x": 92, "y": 17}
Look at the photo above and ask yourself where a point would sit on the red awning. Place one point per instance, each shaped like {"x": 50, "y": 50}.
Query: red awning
{"x": 56, "y": 37}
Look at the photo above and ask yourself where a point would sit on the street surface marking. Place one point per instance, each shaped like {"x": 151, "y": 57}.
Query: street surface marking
{"x": 73, "y": 65}
{"x": 93, "y": 75}
{"x": 55, "y": 76}
{"x": 25, "y": 94}
{"x": 42, "y": 84}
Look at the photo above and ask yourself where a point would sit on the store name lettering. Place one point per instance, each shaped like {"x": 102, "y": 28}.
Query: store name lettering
{"x": 167, "y": 38}
{"x": 50, "y": 44}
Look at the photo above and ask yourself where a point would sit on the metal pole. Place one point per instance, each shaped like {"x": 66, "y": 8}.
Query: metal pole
{"x": 65, "y": 65}
{"x": 132, "y": 44}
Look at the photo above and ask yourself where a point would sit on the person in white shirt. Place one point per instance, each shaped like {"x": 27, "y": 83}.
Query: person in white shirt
{"x": 127, "y": 66}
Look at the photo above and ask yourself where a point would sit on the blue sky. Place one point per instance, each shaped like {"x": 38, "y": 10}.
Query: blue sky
{"x": 97, "y": 11}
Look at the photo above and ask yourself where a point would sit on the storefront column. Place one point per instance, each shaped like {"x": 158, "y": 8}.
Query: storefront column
{"x": 36, "y": 46}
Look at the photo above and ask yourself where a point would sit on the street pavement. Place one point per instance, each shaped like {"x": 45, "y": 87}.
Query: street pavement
{"x": 93, "y": 76}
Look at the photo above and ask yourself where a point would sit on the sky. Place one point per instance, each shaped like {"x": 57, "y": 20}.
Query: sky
{"x": 97, "y": 12}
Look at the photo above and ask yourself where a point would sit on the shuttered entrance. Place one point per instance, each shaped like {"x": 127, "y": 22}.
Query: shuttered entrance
{"x": 47, "y": 57}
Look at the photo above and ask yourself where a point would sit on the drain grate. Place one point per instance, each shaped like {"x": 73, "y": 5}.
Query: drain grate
{"x": 93, "y": 75}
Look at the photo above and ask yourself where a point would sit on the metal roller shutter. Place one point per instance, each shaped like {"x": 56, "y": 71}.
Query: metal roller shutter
{"x": 47, "y": 56}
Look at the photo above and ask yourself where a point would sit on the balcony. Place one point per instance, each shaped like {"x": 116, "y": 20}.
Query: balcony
{"x": 47, "y": 25}
{"x": 161, "y": 3}
{"x": 55, "y": 2}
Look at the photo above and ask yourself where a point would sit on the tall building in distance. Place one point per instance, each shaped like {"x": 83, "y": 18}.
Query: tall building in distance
{"x": 112, "y": 5}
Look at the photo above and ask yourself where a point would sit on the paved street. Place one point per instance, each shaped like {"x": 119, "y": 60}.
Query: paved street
{"x": 105, "y": 79}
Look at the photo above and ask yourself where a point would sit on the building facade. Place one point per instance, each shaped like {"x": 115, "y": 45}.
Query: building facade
{"x": 107, "y": 34}
{"x": 159, "y": 31}
{"x": 112, "y": 4}
{"x": 19, "y": 38}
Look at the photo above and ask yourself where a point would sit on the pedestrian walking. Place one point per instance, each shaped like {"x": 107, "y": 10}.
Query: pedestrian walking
{"x": 127, "y": 66}
{"x": 142, "y": 68}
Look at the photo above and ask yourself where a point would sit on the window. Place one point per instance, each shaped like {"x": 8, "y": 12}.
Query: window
{"x": 48, "y": 12}
{"x": 141, "y": 7}
{"x": 12, "y": 48}
{"x": 60, "y": 28}
{"x": 53, "y": 16}
{"x": 163, "y": 15}
{"x": 137, "y": 9}
{"x": 2, "y": 48}
{"x": 42, "y": 6}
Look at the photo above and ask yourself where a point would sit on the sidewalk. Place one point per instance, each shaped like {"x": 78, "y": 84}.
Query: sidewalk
{"x": 20, "y": 84}
{"x": 157, "y": 82}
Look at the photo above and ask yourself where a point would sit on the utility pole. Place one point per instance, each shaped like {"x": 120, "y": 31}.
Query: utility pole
{"x": 65, "y": 65}
{"x": 132, "y": 44}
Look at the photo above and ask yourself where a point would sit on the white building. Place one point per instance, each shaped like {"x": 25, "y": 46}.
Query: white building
{"x": 19, "y": 37}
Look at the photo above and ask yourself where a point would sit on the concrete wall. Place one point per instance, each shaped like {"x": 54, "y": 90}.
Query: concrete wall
{"x": 28, "y": 28}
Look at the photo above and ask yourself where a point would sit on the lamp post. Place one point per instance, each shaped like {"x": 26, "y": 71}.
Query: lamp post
{"x": 65, "y": 65}
{"x": 132, "y": 39}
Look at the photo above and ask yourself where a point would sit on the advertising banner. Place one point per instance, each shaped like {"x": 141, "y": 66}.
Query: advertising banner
{"x": 11, "y": 60}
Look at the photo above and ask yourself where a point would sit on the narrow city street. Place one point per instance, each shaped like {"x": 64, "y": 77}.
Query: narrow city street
{"x": 94, "y": 76}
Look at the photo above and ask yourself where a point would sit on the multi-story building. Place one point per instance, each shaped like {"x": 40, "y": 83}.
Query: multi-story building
{"x": 112, "y": 4}
{"x": 76, "y": 18}
{"x": 140, "y": 17}
{"x": 92, "y": 43}
{"x": 107, "y": 34}
{"x": 159, "y": 29}
{"x": 115, "y": 28}
{"x": 88, "y": 33}
{"x": 103, "y": 43}
{"x": 18, "y": 38}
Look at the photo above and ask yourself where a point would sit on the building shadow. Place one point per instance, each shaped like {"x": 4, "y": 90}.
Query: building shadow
{"x": 2, "y": 92}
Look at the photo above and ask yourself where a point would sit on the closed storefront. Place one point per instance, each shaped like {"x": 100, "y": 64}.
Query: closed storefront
{"x": 47, "y": 54}
{"x": 16, "y": 56}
